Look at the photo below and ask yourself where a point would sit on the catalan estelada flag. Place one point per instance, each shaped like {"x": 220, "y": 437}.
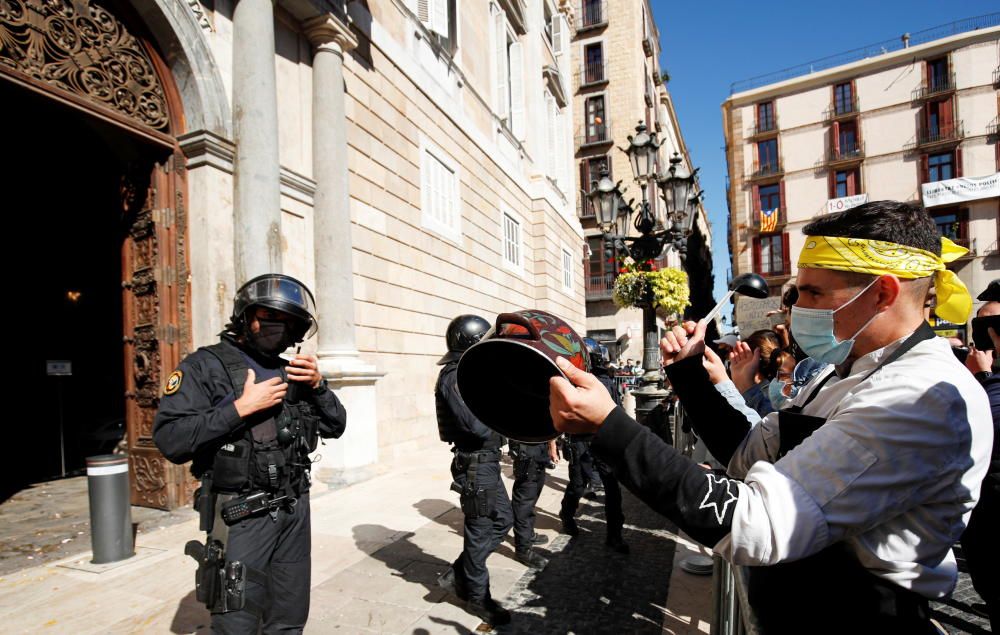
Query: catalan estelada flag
{"x": 768, "y": 220}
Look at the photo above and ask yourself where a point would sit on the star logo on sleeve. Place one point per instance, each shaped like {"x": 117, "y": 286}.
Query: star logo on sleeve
{"x": 713, "y": 499}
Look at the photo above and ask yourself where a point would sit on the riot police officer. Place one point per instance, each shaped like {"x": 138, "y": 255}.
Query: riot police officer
{"x": 530, "y": 461}
{"x": 475, "y": 470}
{"x": 248, "y": 419}
{"x": 576, "y": 447}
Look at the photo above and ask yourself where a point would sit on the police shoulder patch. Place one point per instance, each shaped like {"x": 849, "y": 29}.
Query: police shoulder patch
{"x": 173, "y": 382}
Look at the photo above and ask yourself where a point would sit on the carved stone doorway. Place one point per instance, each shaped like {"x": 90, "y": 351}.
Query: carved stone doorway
{"x": 86, "y": 69}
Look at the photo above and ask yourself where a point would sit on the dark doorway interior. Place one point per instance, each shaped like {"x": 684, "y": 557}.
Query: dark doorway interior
{"x": 61, "y": 172}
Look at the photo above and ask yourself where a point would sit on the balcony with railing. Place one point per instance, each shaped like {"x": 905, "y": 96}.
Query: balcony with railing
{"x": 993, "y": 130}
{"x": 593, "y": 15}
{"x": 842, "y": 109}
{"x": 934, "y": 86}
{"x": 648, "y": 46}
{"x": 950, "y": 132}
{"x": 763, "y": 127}
{"x": 847, "y": 153}
{"x": 600, "y": 286}
{"x": 591, "y": 74}
{"x": 594, "y": 134}
{"x": 765, "y": 223}
{"x": 765, "y": 170}
{"x": 996, "y": 76}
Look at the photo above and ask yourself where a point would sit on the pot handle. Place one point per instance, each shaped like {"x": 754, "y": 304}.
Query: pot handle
{"x": 518, "y": 320}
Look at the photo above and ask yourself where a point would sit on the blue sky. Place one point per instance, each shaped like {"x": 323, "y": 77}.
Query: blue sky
{"x": 706, "y": 46}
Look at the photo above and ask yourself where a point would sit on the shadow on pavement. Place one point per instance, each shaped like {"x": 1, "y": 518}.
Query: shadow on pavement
{"x": 191, "y": 616}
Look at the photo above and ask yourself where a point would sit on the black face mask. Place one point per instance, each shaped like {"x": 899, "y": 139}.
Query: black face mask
{"x": 980, "y": 331}
{"x": 273, "y": 337}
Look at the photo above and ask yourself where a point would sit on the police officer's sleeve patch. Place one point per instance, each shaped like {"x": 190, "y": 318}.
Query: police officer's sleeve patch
{"x": 173, "y": 382}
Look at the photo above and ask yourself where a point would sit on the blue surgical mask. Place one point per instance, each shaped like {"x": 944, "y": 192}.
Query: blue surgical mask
{"x": 774, "y": 393}
{"x": 813, "y": 332}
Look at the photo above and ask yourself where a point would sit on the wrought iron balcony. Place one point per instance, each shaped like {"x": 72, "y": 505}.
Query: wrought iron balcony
{"x": 591, "y": 74}
{"x": 935, "y": 85}
{"x": 775, "y": 223}
{"x": 594, "y": 134}
{"x": 842, "y": 109}
{"x": 948, "y": 132}
{"x": 599, "y": 287}
{"x": 766, "y": 170}
{"x": 763, "y": 127}
{"x": 593, "y": 14}
{"x": 996, "y": 76}
{"x": 648, "y": 46}
{"x": 846, "y": 153}
{"x": 993, "y": 129}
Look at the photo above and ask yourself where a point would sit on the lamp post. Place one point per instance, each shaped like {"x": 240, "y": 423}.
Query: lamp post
{"x": 654, "y": 231}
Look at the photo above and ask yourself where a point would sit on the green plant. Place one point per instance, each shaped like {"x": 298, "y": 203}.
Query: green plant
{"x": 641, "y": 284}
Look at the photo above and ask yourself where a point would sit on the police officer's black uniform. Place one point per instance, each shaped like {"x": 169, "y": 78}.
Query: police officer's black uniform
{"x": 530, "y": 460}
{"x": 576, "y": 447}
{"x": 264, "y": 457}
{"x": 476, "y": 474}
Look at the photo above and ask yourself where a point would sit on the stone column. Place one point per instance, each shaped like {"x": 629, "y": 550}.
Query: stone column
{"x": 256, "y": 171}
{"x": 349, "y": 458}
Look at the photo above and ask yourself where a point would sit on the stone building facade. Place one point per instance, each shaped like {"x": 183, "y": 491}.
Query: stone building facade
{"x": 618, "y": 83}
{"x": 409, "y": 161}
{"x": 914, "y": 124}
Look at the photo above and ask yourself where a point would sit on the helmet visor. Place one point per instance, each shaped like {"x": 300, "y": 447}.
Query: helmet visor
{"x": 282, "y": 294}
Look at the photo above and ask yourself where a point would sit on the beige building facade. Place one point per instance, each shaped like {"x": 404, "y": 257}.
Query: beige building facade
{"x": 915, "y": 124}
{"x": 409, "y": 161}
{"x": 618, "y": 83}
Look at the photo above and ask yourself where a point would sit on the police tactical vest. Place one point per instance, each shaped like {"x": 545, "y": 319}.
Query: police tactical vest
{"x": 271, "y": 451}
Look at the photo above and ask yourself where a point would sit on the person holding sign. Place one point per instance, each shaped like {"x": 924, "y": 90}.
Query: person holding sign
{"x": 861, "y": 486}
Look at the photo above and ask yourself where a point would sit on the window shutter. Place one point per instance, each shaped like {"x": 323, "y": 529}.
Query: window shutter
{"x": 558, "y": 29}
{"x": 438, "y": 13}
{"x": 562, "y": 151}
{"x": 781, "y": 203}
{"x": 755, "y": 205}
{"x": 500, "y": 40}
{"x": 831, "y": 184}
{"x": 786, "y": 266}
{"x": 517, "y": 91}
{"x": 584, "y": 179}
{"x": 424, "y": 12}
{"x": 923, "y": 171}
{"x": 550, "y": 135}
{"x": 946, "y": 116}
{"x": 836, "y": 139}
{"x": 958, "y": 162}
{"x": 756, "y": 254}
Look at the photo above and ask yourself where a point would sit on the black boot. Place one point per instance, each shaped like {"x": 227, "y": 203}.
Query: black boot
{"x": 569, "y": 526}
{"x": 531, "y": 558}
{"x": 488, "y": 611}
{"x": 616, "y": 543}
{"x": 539, "y": 539}
{"x": 450, "y": 582}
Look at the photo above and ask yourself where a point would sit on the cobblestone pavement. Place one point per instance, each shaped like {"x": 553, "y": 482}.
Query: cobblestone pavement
{"x": 955, "y": 613}
{"x": 50, "y": 521}
{"x": 588, "y": 588}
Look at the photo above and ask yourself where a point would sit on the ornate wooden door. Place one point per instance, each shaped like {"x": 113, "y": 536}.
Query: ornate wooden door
{"x": 156, "y": 300}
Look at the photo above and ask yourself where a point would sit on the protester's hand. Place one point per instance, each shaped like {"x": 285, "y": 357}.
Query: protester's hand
{"x": 257, "y": 397}
{"x": 714, "y": 366}
{"x": 580, "y": 405}
{"x": 305, "y": 369}
{"x": 978, "y": 360}
{"x": 782, "y": 332}
{"x": 744, "y": 365}
{"x": 553, "y": 451}
{"x": 683, "y": 341}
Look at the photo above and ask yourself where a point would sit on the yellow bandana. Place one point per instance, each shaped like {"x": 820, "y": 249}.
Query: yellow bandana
{"x": 879, "y": 258}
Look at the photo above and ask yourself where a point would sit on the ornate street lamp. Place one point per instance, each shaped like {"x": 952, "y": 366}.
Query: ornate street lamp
{"x": 681, "y": 196}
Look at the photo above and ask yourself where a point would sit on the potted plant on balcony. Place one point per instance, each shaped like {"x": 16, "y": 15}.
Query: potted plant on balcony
{"x": 642, "y": 284}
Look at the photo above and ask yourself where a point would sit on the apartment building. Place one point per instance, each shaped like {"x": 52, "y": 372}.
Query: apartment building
{"x": 912, "y": 119}
{"x": 618, "y": 83}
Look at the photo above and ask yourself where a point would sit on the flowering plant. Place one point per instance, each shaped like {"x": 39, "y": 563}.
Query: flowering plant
{"x": 639, "y": 284}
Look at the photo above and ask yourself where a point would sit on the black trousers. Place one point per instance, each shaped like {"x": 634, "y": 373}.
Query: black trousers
{"x": 577, "y": 485}
{"x": 281, "y": 549}
{"x": 529, "y": 479}
{"x": 982, "y": 553}
{"x": 488, "y": 518}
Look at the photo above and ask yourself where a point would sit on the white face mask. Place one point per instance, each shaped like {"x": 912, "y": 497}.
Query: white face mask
{"x": 813, "y": 331}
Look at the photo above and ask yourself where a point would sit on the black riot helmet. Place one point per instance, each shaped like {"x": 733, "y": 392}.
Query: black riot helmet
{"x": 598, "y": 353}
{"x": 281, "y": 293}
{"x": 463, "y": 332}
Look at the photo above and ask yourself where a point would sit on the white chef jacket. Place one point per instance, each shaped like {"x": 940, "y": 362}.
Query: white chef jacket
{"x": 894, "y": 472}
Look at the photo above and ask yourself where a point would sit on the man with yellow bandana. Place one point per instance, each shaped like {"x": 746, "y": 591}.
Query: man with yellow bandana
{"x": 844, "y": 505}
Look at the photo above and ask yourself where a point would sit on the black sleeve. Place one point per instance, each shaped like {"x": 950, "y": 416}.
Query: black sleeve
{"x": 197, "y": 414}
{"x": 332, "y": 414}
{"x": 697, "y": 500}
{"x": 468, "y": 421}
{"x": 714, "y": 420}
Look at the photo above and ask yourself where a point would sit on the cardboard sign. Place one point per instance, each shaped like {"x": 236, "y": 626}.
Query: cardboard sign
{"x": 751, "y": 314}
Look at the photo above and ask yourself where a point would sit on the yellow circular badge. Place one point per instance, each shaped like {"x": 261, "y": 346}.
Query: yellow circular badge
{"x": 173, "y": 383}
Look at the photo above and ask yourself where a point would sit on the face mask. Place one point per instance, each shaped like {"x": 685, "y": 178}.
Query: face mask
{"x": 813, "y": 332}
{"x": 273, "y": 337}
{"x": 981, "y": 333}
{"x": 778, "y": 399}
